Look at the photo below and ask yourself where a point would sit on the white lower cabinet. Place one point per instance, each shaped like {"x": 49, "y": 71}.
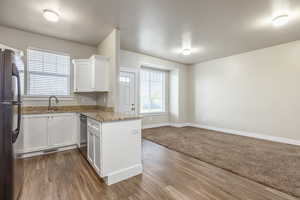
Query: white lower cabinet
{"x": 34, "y": 133}
{"x": 94, "y": 145}
{"x": 61, "y": 130}
{"x": 115, "y": 149}
{"x": 44, "y": 132}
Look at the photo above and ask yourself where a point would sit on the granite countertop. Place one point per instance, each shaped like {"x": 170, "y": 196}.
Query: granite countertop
{"x": 41, "y": 112}
{"x": 91, "y": 112}
{"x": 102, "y": 116}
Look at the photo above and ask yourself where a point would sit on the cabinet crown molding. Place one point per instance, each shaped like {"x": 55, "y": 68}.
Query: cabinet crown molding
{"x": 93, "y": 57}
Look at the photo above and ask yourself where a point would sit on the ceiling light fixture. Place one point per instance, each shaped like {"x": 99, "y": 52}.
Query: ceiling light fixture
{"x": 51, "y": 15}
{"x": 186, "y": 52}
{"x": 280, "y": 20}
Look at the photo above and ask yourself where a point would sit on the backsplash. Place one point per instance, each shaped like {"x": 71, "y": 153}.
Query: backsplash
{"x": 76, "y": 100}
{"x": 81, "y": 108}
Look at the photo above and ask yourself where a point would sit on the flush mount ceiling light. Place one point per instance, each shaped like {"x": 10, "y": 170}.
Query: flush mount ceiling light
{"x": 50, "y": 15}
{"x": 280, "y": 20}
{"x": 186, "y": 52}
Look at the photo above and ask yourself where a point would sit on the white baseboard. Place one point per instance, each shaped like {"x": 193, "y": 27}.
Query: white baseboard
{"x": 44, "y": 152}
{"x": 249, "y": 134}
{"x": 123, "y": 174}
{"x": 178, "y": 125}
{"x": 155, "y": 125}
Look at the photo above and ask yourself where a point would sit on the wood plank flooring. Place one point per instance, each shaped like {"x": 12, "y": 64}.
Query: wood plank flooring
{"x": 168, "y": 175}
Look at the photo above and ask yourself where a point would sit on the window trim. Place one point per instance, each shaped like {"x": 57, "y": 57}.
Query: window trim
{"x": 153, "y": 114}
{"x": 26, "y": 95}
{"x": 165, "y": 91}
{"x": 42, "y": 98}
{"x": 48, "y": 51}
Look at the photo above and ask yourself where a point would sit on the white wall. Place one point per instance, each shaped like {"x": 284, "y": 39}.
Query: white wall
{"x": 22, "y": 40}
{"x": 177, "y": 85}
{"x": 254, "y": 92}
{"x": 110, "y": 47}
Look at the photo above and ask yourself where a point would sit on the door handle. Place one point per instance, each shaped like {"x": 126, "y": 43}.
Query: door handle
{"x": 16, "y": 132}
{"x": 132, "y": 107}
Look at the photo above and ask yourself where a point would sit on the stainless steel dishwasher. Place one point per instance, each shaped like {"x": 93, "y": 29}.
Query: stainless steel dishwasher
{"x": 83, "y": 135}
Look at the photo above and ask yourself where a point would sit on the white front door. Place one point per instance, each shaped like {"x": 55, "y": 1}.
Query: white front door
{"x": 127, "y": 92}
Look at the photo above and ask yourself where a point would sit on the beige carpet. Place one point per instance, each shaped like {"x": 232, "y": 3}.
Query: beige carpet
{"x": 273, "y": 164}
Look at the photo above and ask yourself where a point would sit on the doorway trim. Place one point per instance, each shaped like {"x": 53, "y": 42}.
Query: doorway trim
{"x": 136, "y": 71}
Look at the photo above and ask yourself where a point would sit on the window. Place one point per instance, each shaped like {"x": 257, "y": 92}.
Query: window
{"x": 153, "y": 87}
{"x": 47, "y": 73}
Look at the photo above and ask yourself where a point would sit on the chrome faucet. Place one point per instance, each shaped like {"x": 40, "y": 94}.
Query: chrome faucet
{"x": 56, "y": 101}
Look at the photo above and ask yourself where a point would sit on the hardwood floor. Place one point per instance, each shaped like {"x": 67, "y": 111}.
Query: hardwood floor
{"x": 167, "y": 175}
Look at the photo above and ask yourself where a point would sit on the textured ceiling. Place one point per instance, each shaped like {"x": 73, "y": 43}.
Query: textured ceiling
{"x": 161, "y": 28}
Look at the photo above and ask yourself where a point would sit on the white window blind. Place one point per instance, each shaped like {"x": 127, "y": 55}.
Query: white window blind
{"x": 48, "y": 73}
{"x": 153, "y": 97}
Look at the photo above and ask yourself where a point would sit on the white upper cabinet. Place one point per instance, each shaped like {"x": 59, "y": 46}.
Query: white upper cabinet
{"x": 91, "y": 75}
{"x": 82, "y": 76}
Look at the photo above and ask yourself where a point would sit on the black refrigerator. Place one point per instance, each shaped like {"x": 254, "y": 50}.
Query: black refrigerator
{"x": 11, "y": 164}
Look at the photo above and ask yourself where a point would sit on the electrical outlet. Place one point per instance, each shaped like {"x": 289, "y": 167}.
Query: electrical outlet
{"x": 136, "y": 132}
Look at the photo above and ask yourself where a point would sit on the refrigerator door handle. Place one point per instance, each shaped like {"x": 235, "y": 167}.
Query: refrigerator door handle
{"x": 15, "y": 133}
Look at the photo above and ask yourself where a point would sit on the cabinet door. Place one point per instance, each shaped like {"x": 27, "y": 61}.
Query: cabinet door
{"x": 91, "y": 154}
{"x": 34, "y": 133}
{"x": 82, "y": 76}
{"x": 61, "y": 130}
{"x": 97, "y": 154}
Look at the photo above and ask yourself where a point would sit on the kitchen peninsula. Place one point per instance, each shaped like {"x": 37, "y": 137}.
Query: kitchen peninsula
{"x": 112, "y": 141}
